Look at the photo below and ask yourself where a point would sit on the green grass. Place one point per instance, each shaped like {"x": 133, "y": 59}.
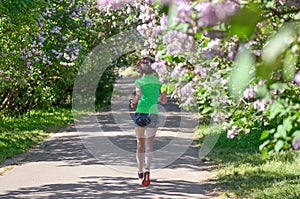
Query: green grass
{"x": 130, "y": 72}
{"x": 242, "y": 172}
{"x": 17, "y": 135}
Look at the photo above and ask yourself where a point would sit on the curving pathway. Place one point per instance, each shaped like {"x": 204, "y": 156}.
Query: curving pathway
{"x": 96, "y": 159}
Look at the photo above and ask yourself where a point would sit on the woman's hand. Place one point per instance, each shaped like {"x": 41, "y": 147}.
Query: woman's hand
{"x": 137, "y": 97}
{"x": 163, "y": 97}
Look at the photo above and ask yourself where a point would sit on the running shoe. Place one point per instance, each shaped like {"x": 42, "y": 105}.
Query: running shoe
{"x": 141, "y": 175}
{"x": 146, "y": 179}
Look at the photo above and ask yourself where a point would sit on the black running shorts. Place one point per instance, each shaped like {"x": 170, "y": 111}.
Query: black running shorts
{"x": 146, "y": 120}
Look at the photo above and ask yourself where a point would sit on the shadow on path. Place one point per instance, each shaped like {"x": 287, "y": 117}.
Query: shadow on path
{"x": 72, "y": 151}
{"x": 113, "y": 187}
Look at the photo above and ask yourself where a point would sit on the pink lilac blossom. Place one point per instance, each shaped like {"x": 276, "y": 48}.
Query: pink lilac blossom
{"x": 148, "y": 1}
{"x": 184, "y": 10}
{"x": 223, "y": 99}
{"x": 178, "y": 71}
{"x": 187, "y": 89}
{"x": 234, "y": 131}
{"x": 177, "y": 2}
{"x": 178, "y": 42}
{"x": 157, "y": 30}
{"x": 189, "y": 101}
{"x": 260, "y": 104}
{"x": 150, "y": 29}
{"x": 293, "y": 3}
{"x": 147, "y": 14}
{"x": 249, "y": 93}
{"x": 160, "y": 66}
{"x": 296, "y": 143}
{"x": 232, "y": 51}
{"x": 212, "y": 14}
{"x": 114, "y": 4}
{"x": 226, "y": 9}
{"x": 213, "y": 49}
{"x": 224, "y": 81}
{"x": 201, "y": 71}
{"x": 214, "y": 64}
{"x": 207, "y": 13}
{"x": 187, "y": 94}
{"x": 297, "y": 78}
{"x": 145, "y": 53}
{"x": 220, "y": 117}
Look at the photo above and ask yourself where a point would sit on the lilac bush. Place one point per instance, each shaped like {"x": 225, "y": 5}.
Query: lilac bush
{"x": 38, "y": 67}
{"x": 49, "y": 56}
{"x": 236, "y": 61}
{"x": 198, "y": 51}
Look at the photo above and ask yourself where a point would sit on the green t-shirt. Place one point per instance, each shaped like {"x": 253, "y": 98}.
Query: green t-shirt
{"x": 150, "y": 87}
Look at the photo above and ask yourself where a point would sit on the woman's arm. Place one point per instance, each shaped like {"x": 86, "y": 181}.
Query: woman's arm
{"x": 138, "y": 93}
{"x": 163, "y": 97}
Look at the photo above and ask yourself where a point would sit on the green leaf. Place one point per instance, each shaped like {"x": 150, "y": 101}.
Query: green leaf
{"x": 164, "y": 88}
{"x": 278, "y": 145}
{"x": 296, "y": 134}
{"x": 244, "y": 120}
{"x": 262, "y": 91}
{"x": 287, "y": 124}
{"x": 278, "y": 44}
{"x": 263, "y": 145}
{"x": 198, "y": 35}
{"x": 281, "y": 132}
{"x": 280, "y": 86}
{"x": 244, "y": 22}
{"x": 275, "y": 109}
{"x": 241, "y": 76}
{"x": 264, "y": 134}
{"x": 289, "y": 65}
{"x": 264, "y": 152}
{"x": 183, "y": 27}
{"x": 206, "y": 110}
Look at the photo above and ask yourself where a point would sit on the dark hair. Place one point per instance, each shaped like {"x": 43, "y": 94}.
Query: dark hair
{"x": 144, "y": 65}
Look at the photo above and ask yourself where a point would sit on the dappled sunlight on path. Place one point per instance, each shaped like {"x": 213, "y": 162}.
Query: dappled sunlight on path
{"x": 97, "y": 160}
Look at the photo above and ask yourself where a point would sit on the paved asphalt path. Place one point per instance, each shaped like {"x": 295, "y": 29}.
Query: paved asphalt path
{"x": 95, "y": 158}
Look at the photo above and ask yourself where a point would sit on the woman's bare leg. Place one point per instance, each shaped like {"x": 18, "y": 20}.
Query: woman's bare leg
{"x": 140, "y": 154}
{"x": 150, "y": 136}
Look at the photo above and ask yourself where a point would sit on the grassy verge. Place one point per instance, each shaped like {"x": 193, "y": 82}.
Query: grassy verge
{"x": 17, "y": 135}
{"x": 244, "y": 173}
{"x": 130, "y": 72}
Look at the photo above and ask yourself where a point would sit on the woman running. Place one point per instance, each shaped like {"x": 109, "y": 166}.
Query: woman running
{"x": 148, "y": 93}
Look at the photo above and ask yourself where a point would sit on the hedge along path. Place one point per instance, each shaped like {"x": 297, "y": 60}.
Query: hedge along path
{"x": 67, "y": 165}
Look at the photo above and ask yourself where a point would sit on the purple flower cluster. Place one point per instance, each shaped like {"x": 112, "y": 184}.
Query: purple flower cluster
{"x": 296, "y": 143}
{"x": 211, "y": 14}
{"x": 202, "y": 71}
{"x": 185, "y": 11}
{"x": 178, "y": 71}
{"x": 159, "y": 30}
{"x": 207, "y": 12}
{"x": 219, "y": 117}
{"x": 213, "y": 49}
{"x": 249, "y": 93}
{"x": 112, "y": 4}
{"x": 186, "y": 93}
{"x": 234, "y": 131}
{"x": 52, "y": 43}
{"x": 260, "y": 104}
{"x": 293, "y": 3}
{"x": 56, "y": 30}
{"x": 297, "y": 78}
{"x": 178, "y": 43}
{"x": 160, "y": 66}
{"x": 72, "y": 51}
